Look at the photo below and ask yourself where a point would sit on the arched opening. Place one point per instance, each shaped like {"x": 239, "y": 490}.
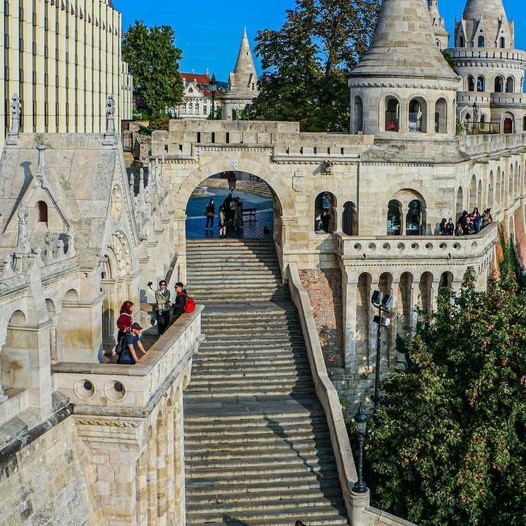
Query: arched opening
{"x": 502, "y": 42}
{"x": 499, "y": 84}
{"x": 473, "y": 193}
{"x": 471, "y": 83}
{"x": 509, "y": 123}
{"x": 461, "y": 41}
{"x": 162, "y": 486}
{"x": 42, "y": 212}
{"x": 324, "y": 213}
{"x": 418, "y": 115}
{"x": 357, "y": 114}
{"x": 481, "y": 83}
{"x": 233, "y": 204}
{"x": 510, "y": 184}
{"x": 459, "y": 208}
{"x": 426, "y": 292}
{"x": 350, "y": 219}
{"x": 441, "y": 116}
{"x": 51, "y": 311}
{"x": 524, "y": 123}
{"x": 510, "y": 85}
{"x": 480, "y": 41}
{"x": 414, "y": 219}
{"x": 392, "y": 114}
{"x": 394, "y": 218}
{"x": 385, "y": 285}
{"x": 446, "y": 282}
{"x": 364, "y": 336}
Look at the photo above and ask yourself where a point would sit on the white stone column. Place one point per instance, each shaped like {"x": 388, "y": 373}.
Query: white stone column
{"x": 180, "y": 495}
{"x": 3, "y": 337}
{"x": 349, "y": 291}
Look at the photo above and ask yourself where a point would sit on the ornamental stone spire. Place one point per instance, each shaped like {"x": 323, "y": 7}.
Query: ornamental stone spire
{"x": 242, "y": 83}
{"x": 441, "y": 34}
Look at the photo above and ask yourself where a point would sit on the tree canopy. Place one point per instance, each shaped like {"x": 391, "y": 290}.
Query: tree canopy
{"x": 306, "y": 62}
{"x": 447, "y": 445}
{"x": 153, "y": 60}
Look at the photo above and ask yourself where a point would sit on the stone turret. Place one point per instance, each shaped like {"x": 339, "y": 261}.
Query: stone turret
{"x": 491, "y": 68}
{"x": 441, "y": 34}
{"x": 484, "y": 24}
{"x": 242, "y": 83}
{"x": 403, "y": 85}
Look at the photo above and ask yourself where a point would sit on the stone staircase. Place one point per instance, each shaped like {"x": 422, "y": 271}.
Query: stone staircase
{"x": 257, "y": 446}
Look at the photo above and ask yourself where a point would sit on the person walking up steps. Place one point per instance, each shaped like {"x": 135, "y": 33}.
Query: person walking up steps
{"x": 210, "y": 212}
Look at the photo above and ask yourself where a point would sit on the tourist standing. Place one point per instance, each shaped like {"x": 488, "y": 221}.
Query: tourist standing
{"x": 210, "y": 212}
{"x": 180, "y": 299}
{"x": 163, "y": 306}
{"x": 450, "y": 227}
{"x": 222, "y": 222}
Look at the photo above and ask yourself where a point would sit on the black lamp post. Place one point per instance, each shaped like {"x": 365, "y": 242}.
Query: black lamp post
{"x": 384, "y": 303}
{"x": 212, "y": 86}
{"x": 361, "y": 418}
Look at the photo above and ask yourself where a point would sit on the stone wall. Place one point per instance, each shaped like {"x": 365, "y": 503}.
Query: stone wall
{"x": 324, "y": 287}
{"x": 48, "y": 481}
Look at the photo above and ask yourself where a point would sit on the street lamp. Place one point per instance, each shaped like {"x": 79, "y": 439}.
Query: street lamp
{"x": 384, "y": 304}
{"x": 361, "y": 418}
{"x": 212, "y": 86}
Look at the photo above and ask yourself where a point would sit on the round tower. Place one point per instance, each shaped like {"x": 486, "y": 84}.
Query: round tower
{"x": 492, "y": 70}
{"x": 403, "y": 85}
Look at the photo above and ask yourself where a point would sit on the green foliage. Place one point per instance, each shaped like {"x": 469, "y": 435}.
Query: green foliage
{"x": 153, "y": 61}
{"x": 447, "y": 445}
{"x": 306, "y": 62}
{"x": 449, "y": 59}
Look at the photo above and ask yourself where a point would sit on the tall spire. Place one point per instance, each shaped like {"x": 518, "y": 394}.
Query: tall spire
{"x": 242, "y": 83}
{"x": 441, "y": 34}
{"x": 404, "y": 45}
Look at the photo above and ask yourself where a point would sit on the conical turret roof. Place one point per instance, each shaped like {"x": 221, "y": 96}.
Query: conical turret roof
{"x": 245, "y": 61}
{"x": 404, "y": 45}
{"x": 487, "y": 9}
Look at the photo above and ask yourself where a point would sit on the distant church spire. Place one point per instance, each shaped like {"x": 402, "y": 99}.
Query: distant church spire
{"x": 441, "y": 34}
{"x": 242, "y": 83}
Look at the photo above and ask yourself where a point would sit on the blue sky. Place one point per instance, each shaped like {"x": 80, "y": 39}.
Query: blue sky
{"x": 209, "y": 32}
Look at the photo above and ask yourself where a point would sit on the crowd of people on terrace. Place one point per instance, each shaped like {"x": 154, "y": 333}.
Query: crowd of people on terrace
{"x": 467, "y": 223}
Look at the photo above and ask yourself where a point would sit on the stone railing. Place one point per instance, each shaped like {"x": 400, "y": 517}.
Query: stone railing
{"x": 108, "y": 389}
{"x": 325, "y": 390}
{"x": 487, "y": 54}
{"x": 487, "y": 144}
{"x": 416, "y": 247}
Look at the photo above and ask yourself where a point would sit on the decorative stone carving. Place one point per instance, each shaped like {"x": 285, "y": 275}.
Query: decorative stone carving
{"x": 22, "y": 243}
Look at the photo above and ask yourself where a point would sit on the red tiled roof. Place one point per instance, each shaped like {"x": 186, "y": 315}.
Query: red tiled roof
{"x": 200, "y": 78}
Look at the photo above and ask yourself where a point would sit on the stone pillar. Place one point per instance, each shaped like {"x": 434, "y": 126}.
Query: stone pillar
{"x": 180, "y": 496}
{"x": 161, "y": 470}
{"x": 349, "y": 292}
{"x": 142, "y": 489}
{"x": 359, "y": 514}
{"x": 3, "y": 337}
{"x": 170, "y": 463}
{"x": 151, "y": 479}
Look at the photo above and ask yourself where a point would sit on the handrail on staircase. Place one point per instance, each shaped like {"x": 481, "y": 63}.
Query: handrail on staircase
{"x": 325, "y": 389}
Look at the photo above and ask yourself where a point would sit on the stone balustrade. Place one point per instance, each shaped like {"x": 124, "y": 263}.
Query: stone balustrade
{"x": 487, "y": 54}
{"x": 132, "y": 390}
{"x": 489, "y": 144}
{"x": 442, "y": 248}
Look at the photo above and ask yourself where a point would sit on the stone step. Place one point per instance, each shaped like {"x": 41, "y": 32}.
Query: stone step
{"x": 206, "y": 364}
{"x": 248, "y": 485}
{"x": 212, "y": 392}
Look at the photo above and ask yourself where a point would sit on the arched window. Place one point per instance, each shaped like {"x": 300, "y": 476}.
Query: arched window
{"x": 499, "y": 84}
{"x": 471, "y": 83}
{"x": 481, "y": 41}
{"x": 481, "y": 84}
{"x": 357, "y": 114}
{"x": 42, "y": 212}
{"x": 490, "y": 190}
{"x": 414, "y": 218}
{"x": 324, "y": 208}
{"x": 394, "y": 218}
{"x": 473, "y": 193}
{"x": 418, "y": 115}
{"x": 524, "y": 123}
{"x": 502, "y": 42}
{"x": 510, "y": 85}
{"x": 392, "y": 114}
{"x": 441, "y": 116}
{"x": 461, "y": 42}
{"x": 508, "y": 123}
{"x": 350, "y": 219}
{"x": 498, "y": 192}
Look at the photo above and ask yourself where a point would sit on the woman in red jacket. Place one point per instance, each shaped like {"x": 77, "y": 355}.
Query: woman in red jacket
{"x": 125, "y": 320}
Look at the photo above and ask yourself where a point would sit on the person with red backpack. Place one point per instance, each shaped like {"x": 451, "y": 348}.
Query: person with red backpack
{"x": 183, "y": 302}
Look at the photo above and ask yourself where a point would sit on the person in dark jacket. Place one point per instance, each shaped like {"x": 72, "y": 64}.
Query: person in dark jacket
{"x": 180, "y": 299}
